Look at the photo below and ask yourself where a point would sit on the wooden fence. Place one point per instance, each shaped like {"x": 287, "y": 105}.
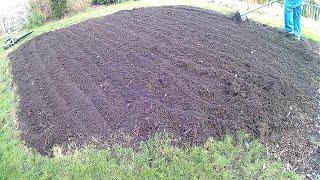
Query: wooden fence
{"x": 310, "y": 9}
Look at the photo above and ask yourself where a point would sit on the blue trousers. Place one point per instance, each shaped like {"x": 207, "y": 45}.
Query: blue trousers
{"x": 292, "y": 17}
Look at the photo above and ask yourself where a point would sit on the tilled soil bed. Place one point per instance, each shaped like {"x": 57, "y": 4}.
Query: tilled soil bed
{"x": 186, "y": 71}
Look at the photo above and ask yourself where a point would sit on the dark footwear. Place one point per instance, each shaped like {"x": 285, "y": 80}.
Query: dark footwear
{"x": 281, "y": 31}
{"x": 290, "y": 35}
{"x": 297, "y": 38}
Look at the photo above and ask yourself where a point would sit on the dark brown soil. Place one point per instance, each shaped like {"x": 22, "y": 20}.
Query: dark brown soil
{"x": 190, "y": 72}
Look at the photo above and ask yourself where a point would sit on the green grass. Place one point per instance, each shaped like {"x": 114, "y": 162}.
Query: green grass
{"x": 156, "y": 159}
{"x": 307, "y": 33}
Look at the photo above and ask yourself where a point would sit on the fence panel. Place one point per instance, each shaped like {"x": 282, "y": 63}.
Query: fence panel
{"x": 311, "y": 11}
{"x": 310, "y": 8}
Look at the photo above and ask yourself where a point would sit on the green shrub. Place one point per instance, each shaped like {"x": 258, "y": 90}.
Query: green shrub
{"x": 75, "y": 6}
{"x": 58, "y": 8}
{"x": 35, "y": 16}
{"x": 103, "y": 1}
{"x": 100, "y": 2}
{"x": 120, "y": 1}
{"x": 106, "y": 1}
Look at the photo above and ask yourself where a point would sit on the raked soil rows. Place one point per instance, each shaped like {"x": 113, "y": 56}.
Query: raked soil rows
{"x": 185, "y": 71}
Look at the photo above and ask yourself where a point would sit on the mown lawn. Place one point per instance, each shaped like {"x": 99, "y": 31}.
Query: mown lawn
{"x": 156, "y": 159}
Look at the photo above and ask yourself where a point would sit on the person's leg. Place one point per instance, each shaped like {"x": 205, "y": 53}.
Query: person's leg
{"x": 288, "y": 18}
{"x": 297, "y": 11}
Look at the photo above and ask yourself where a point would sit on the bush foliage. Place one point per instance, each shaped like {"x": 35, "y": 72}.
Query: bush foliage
{"x": 75, "y": 6}
{"x": 58, "y": 8}
{"x": 106, "y": 1}
{"x": 35, "y": 16}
